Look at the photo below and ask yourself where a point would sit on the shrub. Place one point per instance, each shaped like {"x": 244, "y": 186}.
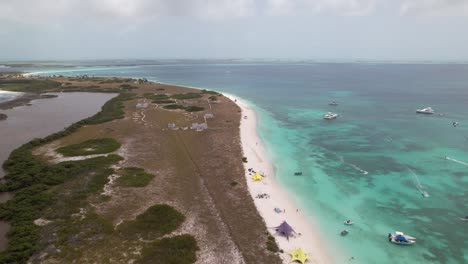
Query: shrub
{"x": 134, "y": 177}
{"x": 186, "y": 96}
{"x": 90, "y": 147}
{"x": 244, "y": 159}
{"x": 179, "y": 249}
{"x": 194, "y": 108}
{"x": 271, "y": 244}
{"x": 156, "y": 221}
{"x": 209, "y": 92}
{"x": 174, "y": 106}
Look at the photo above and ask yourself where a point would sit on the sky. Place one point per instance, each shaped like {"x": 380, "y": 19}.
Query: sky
{"x": 429, "y": 30}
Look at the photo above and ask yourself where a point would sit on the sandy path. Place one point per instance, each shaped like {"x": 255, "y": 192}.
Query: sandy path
{"x": 257, "y": 159}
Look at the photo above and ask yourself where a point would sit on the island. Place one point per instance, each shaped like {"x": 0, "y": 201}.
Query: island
{"x": 156, "y": 174}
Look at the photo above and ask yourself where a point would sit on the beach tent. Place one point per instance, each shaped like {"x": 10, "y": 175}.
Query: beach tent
{"x": 299, "y": 255}
{"x": 284, "y": 229}
{"x": 257, "y": 177}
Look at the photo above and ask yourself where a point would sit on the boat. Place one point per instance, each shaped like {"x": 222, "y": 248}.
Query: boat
{"x": 330, "y": 116}
{"x": 348, "y": 222}
{"x": 427, "y": 110}
{"x": 332, "y": 103}
{"x": 401, "y": 239}
{"x": 298, "y": 173}
{"x": 344, "y": 232}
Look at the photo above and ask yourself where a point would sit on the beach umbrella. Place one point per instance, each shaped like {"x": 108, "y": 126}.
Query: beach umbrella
{"x": 284, "y": 229}
{"x": 299, "y": 255}
{"x": 257, "y": 177}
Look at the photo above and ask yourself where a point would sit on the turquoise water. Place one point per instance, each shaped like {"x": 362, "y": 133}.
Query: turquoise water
{"x": 378, "y": 132}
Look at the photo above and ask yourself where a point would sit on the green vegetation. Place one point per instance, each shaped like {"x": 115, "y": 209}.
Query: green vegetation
{"x": 271, "y": 244}
{"x": 191, "y": 108}
{"x": 179, "y": 249}
{"x": 209, "y": 92}
{"x": 28, "y": 85}
{"x": 194, "y": 108}
{"x": 244, "y": 159}
{"x": 234, "y": 183}
{"x": 186, "y": 96}
{"x": 34, "y": 184}
{"x": 213, "y": 98}
{"x": 90, "y": 147}
{"x": 159, "y": 98}
{"x": 127, "y": 87}
{"x": 3, "y": 116}
{"x": 174, "y": 106}
{"x": 134, "y": 177}
{"x": 156, "y": 221}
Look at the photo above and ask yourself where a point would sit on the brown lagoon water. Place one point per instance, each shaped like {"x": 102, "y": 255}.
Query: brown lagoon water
{"x": 43, "y": 117}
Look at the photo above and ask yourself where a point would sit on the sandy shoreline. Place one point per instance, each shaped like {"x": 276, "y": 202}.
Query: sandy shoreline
{"x": 257, "y": 159}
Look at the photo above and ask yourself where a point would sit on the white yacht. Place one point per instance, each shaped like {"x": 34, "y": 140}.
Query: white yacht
{"x": 332, "y": 103}
{"x": 427, "y": 110}
{"x": 400, "y": 238}
{"x": 330, "y": 116}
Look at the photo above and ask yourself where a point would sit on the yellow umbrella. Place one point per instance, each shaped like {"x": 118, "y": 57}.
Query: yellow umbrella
{"x": 257, "y": 177}
{"x": 299, "y": 255}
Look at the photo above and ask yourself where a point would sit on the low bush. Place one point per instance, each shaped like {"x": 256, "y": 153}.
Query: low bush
{"x": 179, "y": 249}
{"x": 186, "y": 96}
{"x": 90, "y": 147}
{"x": 156, "y": 221}
{"x": 134, "y": 177}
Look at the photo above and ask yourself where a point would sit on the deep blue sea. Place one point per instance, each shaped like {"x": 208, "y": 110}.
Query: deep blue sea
{"x": 372, "y": 164}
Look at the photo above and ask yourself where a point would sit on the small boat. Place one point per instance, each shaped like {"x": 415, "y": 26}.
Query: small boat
{"x": 348, "y": 222}
{"x": 401, "y": 239}
{"x": 427, "y": 110}
{"x": 344, "y": 232}
{"x": 330, "y": 116}
{"x": 298, "y": 173}
{"x": 332, "y": 103}
{"x": 464, "y": 218}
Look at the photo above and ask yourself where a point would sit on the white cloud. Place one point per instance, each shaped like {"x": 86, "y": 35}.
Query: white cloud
{"x": 334, "y": 7}
{"x": 434, "y": 7}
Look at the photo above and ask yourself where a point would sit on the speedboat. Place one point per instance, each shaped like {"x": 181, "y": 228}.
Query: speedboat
{"x": 348, "y": 222}
{"x": 400, "y": 238}
{"x": 332, "y": 103}
{"x": 330, "y": 116}
{"x": 344, "y": 232}
{"x": 427, "y": 110}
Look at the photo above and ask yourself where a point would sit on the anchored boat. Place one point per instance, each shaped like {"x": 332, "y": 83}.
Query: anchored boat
{"x": 401, "y": 238}
{"x": 330, "y": 116}
{"x": 427, "y": 110}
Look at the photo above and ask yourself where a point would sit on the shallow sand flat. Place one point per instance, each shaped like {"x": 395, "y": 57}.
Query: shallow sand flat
{"x": 257, "y": 159}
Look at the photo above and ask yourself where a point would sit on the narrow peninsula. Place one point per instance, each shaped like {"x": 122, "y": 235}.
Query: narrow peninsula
{"x": 140, "y": 180}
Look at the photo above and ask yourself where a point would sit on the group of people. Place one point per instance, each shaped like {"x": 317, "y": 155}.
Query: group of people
{"x": 262, "y": 196}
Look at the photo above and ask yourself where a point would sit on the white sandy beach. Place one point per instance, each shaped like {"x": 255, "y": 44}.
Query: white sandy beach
{"x": 257, "y": 159}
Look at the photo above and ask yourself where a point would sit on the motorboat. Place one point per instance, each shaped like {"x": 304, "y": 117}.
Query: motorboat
{"x": 332, "y": 103}
{"x": 344, "y": 232}
{"x": 330, "y": 116}
{"x": 401, "y": 238}
{"x": 427, "y": 110}
{"x": 348, "y": 222}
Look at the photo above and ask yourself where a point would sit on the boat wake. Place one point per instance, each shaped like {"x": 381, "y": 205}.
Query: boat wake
{"x": 354, "y": 166}
{"x": 457, "y": 161}
{"x": 418, "y": 184}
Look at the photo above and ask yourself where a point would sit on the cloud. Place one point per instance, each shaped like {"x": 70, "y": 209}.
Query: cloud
{"x": 434, "y": 7}
{"x": 26, "y": 10}
{"x": 313, "y": 7}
